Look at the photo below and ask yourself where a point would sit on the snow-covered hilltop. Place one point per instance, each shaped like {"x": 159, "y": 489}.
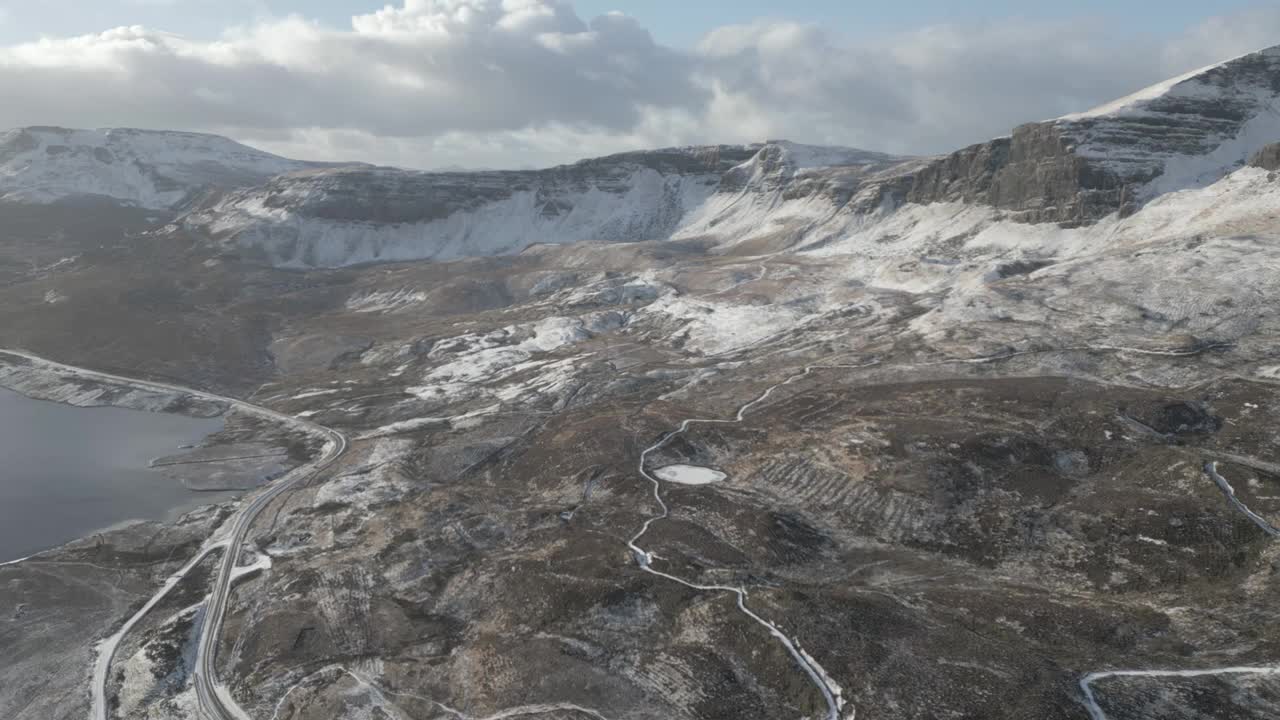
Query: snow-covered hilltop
{"x": 1186, "y": 133}
{"x": 142, "y": 168}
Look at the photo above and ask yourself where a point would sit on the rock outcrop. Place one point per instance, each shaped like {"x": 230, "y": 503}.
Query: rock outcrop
{"x": 1035, "y": 174}
{"x": 1268, "y": 158}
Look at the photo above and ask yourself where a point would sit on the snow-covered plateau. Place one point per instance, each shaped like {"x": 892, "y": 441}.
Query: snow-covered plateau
{"x": 142, "y": 168}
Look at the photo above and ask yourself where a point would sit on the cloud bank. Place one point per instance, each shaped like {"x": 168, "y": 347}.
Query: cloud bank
{"x": 431, "y": 83}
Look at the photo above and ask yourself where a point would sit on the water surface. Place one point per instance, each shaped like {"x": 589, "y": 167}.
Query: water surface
{"x": 66, "y": 472}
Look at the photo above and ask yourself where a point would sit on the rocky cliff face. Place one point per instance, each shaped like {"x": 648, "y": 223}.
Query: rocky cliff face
{"x": 1036, "y": 174}
{"x": 350, "y": 216}
{"x": 1268, "y": 158}
{"x": 394, "y": 196}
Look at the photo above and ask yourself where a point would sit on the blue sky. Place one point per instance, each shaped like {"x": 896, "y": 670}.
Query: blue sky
{"x": 494, "y": 83}
{"x": 673, "y": 22}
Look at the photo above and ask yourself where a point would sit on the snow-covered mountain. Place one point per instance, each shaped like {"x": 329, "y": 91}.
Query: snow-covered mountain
{"x": 1077, "y": 170}
{"x": 1183, "y": 134}
{"x": 1176, "y": 137}
{"x": 142, "y": 168}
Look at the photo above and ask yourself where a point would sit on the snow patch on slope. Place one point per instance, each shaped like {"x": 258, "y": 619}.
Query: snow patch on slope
{"x": 385, "y": 300}
{"x": 473, "y": 361}
{"x": 713, "y": 328}
{"x": 936, "y": 243}
{"x": 1193, "y": 171}
{"x": 330, "y": 219}
{"x": 953, "y": 249}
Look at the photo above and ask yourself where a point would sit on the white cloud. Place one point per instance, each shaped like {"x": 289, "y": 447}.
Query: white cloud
{"x": 529, "y": 82}
{"x": 427, "y": 68}
{"x": 940, "y": 87}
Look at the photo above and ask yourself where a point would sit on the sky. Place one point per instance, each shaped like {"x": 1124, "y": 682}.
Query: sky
{"x": 520, "y": 83}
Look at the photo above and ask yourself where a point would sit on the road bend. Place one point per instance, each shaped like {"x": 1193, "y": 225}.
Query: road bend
{"x": 1086, "y": 683}
{"x": 215, "y": 701}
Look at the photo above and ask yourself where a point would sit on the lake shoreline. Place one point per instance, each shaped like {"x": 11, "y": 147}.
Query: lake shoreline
{"x": 72, "y": 472}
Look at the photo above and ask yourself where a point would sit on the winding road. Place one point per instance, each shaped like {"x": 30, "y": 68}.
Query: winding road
{"x": 831, "y": 692}
{"x": 215, "y": 700}
{"x": 1086, "y": 683}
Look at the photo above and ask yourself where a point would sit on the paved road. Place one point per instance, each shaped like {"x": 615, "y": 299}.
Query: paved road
{"x": 215, "y": 701}
{"x": 1086, "y": 683}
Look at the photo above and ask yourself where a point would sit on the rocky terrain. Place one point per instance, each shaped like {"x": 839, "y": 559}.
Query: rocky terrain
{"x": 770, "y": 431}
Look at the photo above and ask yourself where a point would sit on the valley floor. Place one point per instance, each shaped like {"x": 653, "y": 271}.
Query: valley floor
{"x": 630, "y": 481}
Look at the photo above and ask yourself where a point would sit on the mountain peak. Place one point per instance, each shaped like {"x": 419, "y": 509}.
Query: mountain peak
{"x": 1190, "y": 84}
{"x": 1186, "y": 132}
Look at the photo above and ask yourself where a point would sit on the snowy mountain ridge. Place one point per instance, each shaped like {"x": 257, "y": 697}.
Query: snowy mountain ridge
{"x": 1183, "y": 134}
{"x": 1075, "y": 171}
{"x": 357, "y": 215}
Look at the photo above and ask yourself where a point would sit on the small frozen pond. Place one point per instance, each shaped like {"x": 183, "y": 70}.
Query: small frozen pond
{"x": 70, "y": 471}
{"x": 689, "y": 474}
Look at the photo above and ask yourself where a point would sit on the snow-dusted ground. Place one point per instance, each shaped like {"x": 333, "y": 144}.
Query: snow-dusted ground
{"x": 1154, "y": 259}
{"x": 467, "y": 362}
{"x": 957, "y": 251}
{"x": 1087, "y": 682}
{"x": 1111, "y": 135}
{"x": 714, "y": 327}
{"x": 106, "y": 649}
{"x": 45, "y": 382}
